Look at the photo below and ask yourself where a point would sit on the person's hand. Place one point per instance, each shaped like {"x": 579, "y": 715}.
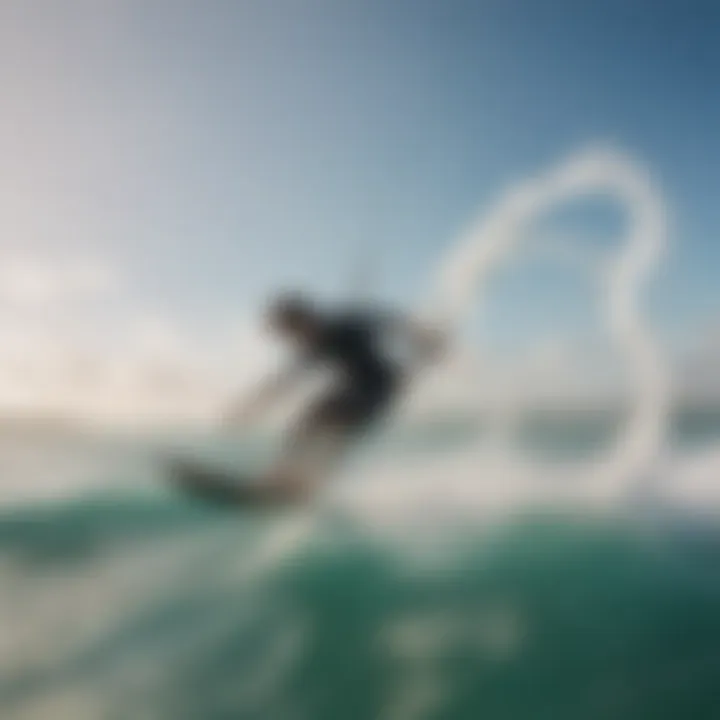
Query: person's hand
{"x": 434, "y": 344}
{"x": 237, "y": 417}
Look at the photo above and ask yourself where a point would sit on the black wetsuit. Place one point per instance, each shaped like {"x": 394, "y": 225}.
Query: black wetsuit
{"x": 369, "y": 380}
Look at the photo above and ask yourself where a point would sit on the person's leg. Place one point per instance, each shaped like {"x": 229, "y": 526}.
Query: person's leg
{"x": 314, "y": 448}
{"x": 324, "y": 434}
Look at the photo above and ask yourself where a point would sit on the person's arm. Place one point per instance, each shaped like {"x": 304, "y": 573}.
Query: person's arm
{"x": 428, "y": 343}
{"x": 262, "y": 398}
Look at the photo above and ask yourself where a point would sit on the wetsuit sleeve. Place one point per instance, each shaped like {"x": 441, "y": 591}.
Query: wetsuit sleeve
{"x": 427, "y": 343}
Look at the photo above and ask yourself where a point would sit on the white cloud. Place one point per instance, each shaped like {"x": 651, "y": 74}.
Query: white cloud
{"x": 137, "y": 366}
{"x": 32, "y": 282}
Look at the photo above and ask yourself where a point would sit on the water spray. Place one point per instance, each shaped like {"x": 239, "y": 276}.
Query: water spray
{"x": 464, "y": 275}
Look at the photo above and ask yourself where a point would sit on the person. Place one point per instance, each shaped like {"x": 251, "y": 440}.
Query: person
{"x": 368, "y": 382}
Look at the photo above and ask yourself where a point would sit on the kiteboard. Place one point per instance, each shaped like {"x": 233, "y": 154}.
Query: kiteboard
{"x": 203, "y": 482}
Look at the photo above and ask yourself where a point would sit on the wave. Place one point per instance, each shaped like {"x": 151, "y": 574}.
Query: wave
{"x": 422, "y": 585}
{"x": 155, "y": 608}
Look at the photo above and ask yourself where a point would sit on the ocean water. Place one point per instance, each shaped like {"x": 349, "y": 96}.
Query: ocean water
{"x": 411, "y": 596}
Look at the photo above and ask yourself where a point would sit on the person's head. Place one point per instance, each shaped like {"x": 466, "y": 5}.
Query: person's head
{"x": 293, "y": 316}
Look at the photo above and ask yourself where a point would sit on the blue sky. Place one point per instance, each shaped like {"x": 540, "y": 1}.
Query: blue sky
{"x": 216, "y": 150}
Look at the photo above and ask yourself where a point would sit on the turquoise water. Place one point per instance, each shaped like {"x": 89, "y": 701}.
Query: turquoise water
{"x": 124, "y": 601}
